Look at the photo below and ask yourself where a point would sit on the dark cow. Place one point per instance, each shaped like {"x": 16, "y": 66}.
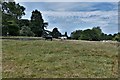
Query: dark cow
{"x": 48, "y": 37}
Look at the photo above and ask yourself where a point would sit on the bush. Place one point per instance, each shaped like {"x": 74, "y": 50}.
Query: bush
{"x": 117, "y": 37}
{"x": 26, "y": 31}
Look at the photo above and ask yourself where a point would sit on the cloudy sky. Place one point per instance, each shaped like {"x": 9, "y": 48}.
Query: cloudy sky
{"x": 71, "y": 16}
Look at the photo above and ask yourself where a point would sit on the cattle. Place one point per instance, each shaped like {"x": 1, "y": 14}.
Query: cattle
{"x": 48, "y": 37}
{"x": 63, "y": 38}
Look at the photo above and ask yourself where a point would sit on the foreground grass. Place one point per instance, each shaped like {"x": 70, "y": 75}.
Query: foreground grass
{"x": 61, "y": 59}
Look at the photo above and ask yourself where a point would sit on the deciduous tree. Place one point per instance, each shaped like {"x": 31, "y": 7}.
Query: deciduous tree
{"x": 37, "y": 23}
{"x": 11, "y": 13}
{"x": 56, "y": 33}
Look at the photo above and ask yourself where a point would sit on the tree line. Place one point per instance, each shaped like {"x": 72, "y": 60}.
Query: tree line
{"x": 94, "y": 34}
{"x": 13, "y": 25}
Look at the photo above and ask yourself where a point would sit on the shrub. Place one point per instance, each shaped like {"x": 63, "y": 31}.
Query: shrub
{"x": 26, "y": 31}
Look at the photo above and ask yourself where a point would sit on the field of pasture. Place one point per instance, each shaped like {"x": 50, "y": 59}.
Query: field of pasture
{"x": 59, "y": 59}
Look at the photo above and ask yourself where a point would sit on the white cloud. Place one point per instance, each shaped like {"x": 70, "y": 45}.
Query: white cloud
{"x": 83, "y": 20}
{"x": 93, "y": 16}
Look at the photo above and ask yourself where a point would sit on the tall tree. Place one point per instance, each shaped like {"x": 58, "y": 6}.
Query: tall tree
{"x": 16, "y": 11}
{"x": 37, "y": 23}
{"x": 11, "y": 12}
{"x": 97, "y": 32}
{"x": 76, "y": 34}
{"x": 56, "y": 33}
{"x": 66, "y": 34}
{"x": 13, "y": 9}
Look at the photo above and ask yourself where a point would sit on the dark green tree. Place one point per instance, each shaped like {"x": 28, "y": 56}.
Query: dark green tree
{"x": 86, "y": 35}
{"x": 107, "y": 36}
{"x": 117, "y": 37}
{"x": 13, "y": 9}
{"x": 55, "y": 33}
{"x": 96, "y": 33}
{"x": 37, "y": 23}
{"x": 13, "y": 29}
{"x": 24, "y": 22}
{"x": 66, "y": 34}
{"x": 103, "y": 36}
{"x": 76, "y": 34}
{"x": 110, "y": 37}
{"x": 11, "y": 13}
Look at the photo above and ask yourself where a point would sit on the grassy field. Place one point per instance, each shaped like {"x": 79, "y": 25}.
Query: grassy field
{"x": 59, "y": 59}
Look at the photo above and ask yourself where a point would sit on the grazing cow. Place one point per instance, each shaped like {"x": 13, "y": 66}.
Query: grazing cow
{"x": 104, "y": 41}
{"x": 48, "y": 37}
{"x": 63, "y": 38}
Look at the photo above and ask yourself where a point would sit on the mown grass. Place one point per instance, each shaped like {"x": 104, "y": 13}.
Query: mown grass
{"x": 59, "y": 59}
